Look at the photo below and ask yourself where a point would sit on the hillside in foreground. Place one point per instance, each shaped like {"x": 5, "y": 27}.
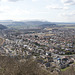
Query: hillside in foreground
{"x": 13, "y": 66}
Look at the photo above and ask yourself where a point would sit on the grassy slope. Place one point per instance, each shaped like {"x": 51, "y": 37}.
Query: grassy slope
{"x": 68, "y": 71}
{"x": 10, "y": 66}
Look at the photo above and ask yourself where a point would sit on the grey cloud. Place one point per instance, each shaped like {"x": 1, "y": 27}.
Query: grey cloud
{"x": 14, "y": 0}
{"x": 69, "y": 2}
{"x": 1, "y": 11}
{"x": 70, "y": 14}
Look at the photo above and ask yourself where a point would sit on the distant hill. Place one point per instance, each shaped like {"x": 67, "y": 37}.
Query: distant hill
{"x": 2, "y": 27}
{"x": 47, "y": 25}
{"x": 32, "y": 24}
{"x": 25, "y": 24}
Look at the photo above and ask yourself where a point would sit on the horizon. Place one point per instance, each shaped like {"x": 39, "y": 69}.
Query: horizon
{"x": 32, "y": 21}
{"x": 44, "y": 10}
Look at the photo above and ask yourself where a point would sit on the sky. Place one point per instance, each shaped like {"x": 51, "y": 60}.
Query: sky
{"x": 45, "y": 10}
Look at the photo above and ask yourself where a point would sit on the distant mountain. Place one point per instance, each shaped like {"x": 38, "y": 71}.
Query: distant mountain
{"x": 25, "y": 24}
{"x": 2, "y": 27}
{"x": 32, "y": 24}
{"x": 6, "y": 20}
{"x": 47, "y": 25}
{"x": 11, "y": 22}
{"x": 64, "y": 22}
{"x": 37, "y": 22}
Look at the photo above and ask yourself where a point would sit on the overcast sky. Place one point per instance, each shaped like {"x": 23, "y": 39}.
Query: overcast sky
{"x": 48, "y": 10}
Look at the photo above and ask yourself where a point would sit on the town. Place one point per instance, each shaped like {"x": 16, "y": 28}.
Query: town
{"x": 52, "y": 48}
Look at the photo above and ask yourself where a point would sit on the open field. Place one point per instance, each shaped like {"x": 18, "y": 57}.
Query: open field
{"x": 43, "y": 34}
{"x": 48, "y": 28}
{"x": 70, "y": 27}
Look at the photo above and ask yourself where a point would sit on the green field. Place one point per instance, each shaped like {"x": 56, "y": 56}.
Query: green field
{"x": 72, "y": 27}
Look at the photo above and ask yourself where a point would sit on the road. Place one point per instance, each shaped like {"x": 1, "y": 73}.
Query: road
{"x": 1, "y": 41}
